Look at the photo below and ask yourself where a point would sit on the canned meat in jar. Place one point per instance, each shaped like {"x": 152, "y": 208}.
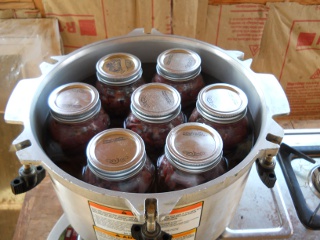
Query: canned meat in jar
{"x": 117, "y": 161}
{"x": 118, "y": 75}
{"x": 224, "y": 107}
{"x": 155, "y": 110}
{"x": 76, "y": 116}
{"x": 181, "y": 68}
{"x": 193, "y": 155}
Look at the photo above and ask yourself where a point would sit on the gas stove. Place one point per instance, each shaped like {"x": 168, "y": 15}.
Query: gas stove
{"x": 289, "y": 210}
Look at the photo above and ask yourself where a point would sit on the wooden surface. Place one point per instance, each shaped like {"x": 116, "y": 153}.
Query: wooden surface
{"x": 17, "y": 5}
{"x": 40, "y": 211}
{"x": 297, "y": 123}
{"x": 217, "y": 2}
{"x": 41, "y": 208}
{"x": 10, "y": 204}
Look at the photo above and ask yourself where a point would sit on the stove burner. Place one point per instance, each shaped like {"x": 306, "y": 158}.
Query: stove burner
{"x": 314, "y": 180}
{"x": 309, "y": 218}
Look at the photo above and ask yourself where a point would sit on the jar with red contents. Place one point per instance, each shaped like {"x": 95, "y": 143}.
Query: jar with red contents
{"x": 76, "y": 116}
{"x": 181, "y": 68}
{"x": 117, "y": 161}
{"x": 224, "y": 107}
{"x": 193, "y": 155}
{"x": 118, "y": 74}
{"x": 155, "y": 110}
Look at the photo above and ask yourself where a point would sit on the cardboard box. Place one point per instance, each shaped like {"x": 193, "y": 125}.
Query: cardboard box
{"x": 84, "y": 22}
{"x": 25, "y": 43}
{"x": 237, "y": 27}
{"x": 290, "y": 49}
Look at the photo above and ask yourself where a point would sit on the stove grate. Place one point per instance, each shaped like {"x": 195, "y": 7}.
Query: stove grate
{"x": 309, "y": 218}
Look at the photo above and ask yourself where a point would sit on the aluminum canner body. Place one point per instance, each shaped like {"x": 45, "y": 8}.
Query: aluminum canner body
{"x": 213, "y": 203}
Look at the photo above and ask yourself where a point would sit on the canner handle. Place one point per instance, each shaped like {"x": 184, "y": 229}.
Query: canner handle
{"x": 278, "y": 105}
{"x": 18, "y": 111}
{"x": 18, "y": 107}
{"x": 274, "y": 94}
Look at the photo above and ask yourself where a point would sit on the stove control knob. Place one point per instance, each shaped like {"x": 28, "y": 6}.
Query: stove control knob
{"x": 29, "y": 177}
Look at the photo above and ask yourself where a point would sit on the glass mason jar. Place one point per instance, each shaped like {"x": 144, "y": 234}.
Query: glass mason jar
{"x": 193, "y": 155}
{"x": 155, "y": 110}
{"x": 181, "y": 68}
{"x": 75, "y": 116}
{"x": 118, "y": 74}
{"x": 224, "y": 107}
{"x": 117, "y": 161}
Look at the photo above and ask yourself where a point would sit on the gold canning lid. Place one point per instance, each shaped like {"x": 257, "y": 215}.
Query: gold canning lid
{"x": 74, "y": 102}
{"x": 178, "y": 64}
{"x": 222, "y": 103}
{"x": 116, "y": 154}
{"x": 194, "y": 147}
{"x": 118, "y": 69}
{"x": 155, "y": 102}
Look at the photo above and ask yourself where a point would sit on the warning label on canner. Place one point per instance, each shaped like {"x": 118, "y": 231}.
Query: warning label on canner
{"x": 112, "y": 223}
{"x": 112, "y": 219}
{"x": 182, "y": 219}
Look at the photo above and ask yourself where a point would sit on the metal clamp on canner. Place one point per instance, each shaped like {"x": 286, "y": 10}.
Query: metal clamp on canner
{"x": 150, "y": 229}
